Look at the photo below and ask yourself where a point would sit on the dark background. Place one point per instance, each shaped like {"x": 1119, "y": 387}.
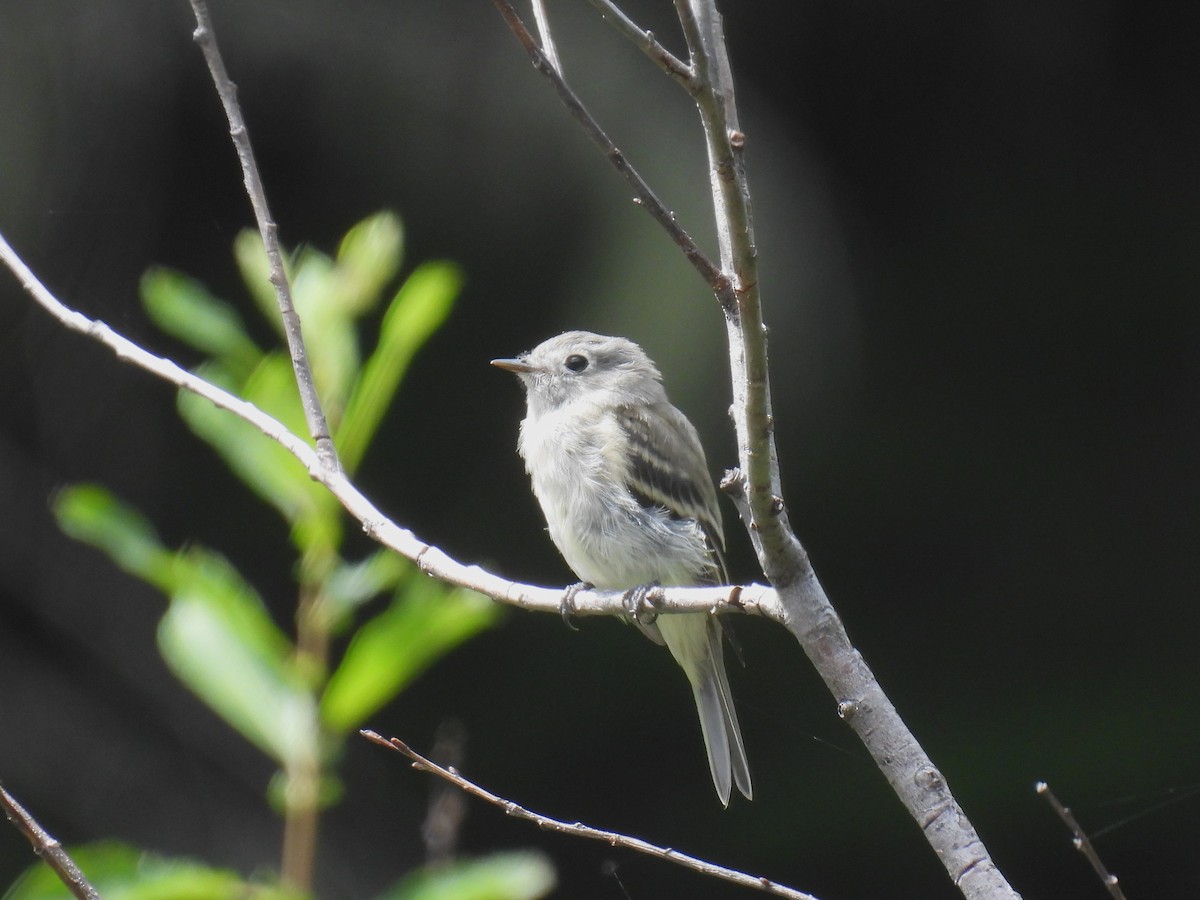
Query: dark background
{"x": 978, "y": 227}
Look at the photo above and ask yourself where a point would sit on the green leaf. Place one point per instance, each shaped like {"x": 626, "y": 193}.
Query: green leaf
{"x": 424, "y": 622}
{"x": 266, "y": 467}
{"x": 272, "y": 387}
{"x": 219, "y": 640}
{"x": 419, "y": 307}
{"x": 91, "y": 514}
{"x": 183, "y": 307}
{"x": 515, "y": 875}
{"x": 216, "y": 634}
{"x": 349, "y": 586}
{"x": 368, "y": 258}
{"x": 121, "y": 872}
{"x": 318, "y": 292}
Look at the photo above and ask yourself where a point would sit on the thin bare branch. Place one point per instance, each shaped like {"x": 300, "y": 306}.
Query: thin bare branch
{"x": 1081, "y": 841}
{"x": 754, "y": 599}
{"x": 759, "y": 493}
{"x": 725, "y": 142}
{"x": 643, "y": 195}
{"x": 679, "y": 71}
{"x": 577, "y": 829}
{"x": 314, "y": 415}
{"x": 543, "y": 25}
{"x": 49, "y": 849}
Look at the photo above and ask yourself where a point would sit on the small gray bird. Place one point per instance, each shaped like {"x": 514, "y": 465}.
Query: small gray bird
{"x": 622, "y": 480}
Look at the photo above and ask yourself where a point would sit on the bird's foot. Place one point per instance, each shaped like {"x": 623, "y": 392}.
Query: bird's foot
{"x": 639, "y": 602}
{"x": 566, "y": 608}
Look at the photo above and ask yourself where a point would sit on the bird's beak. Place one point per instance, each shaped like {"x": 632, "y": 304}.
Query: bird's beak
{"x": 513, "y": 365}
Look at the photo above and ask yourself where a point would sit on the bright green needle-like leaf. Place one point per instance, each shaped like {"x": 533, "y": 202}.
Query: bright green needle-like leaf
{"x": 423, "y": 623}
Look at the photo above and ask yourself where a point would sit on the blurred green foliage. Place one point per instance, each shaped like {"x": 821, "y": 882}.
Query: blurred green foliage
{"x": 279, "y": 690}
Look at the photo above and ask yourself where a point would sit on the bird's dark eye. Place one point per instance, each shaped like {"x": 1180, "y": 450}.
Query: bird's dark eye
{"x": 576, "y": 363}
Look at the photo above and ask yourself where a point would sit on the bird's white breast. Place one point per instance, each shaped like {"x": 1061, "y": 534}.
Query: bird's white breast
{"x": 575, "y": 456}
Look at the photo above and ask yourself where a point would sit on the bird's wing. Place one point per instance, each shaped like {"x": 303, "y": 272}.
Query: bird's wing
{"x": 666, "y": 468}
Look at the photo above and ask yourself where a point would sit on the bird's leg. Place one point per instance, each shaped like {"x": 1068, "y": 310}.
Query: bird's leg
{"x": 566, "y": 608}
{"x": 639, "y": 602}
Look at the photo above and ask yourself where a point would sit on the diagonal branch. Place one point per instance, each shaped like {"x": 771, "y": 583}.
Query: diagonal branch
{"x": 809, "y": 615}
{"x": 314, "y": 415}
{"x": 678, "y": 70}
{"x": 578, "y": 829}
{"x": 1081, "y": 841}
{"x": 642, "y": 193}
{"x": 49, "y": 849}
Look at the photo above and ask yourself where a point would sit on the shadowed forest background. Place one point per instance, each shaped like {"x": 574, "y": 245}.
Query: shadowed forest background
{"x": 979, "y": 233}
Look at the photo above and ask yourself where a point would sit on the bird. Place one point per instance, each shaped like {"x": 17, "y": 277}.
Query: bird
{"x": 621, "y": 478}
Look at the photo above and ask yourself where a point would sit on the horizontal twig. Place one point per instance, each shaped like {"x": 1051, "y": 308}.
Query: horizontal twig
{"x": 754, "y": 599}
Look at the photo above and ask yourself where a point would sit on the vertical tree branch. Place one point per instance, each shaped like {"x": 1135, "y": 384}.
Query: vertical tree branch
{"x": 808, "y": 613}
{"x": 781, "y": 555}
{"x": 314, "y": 415}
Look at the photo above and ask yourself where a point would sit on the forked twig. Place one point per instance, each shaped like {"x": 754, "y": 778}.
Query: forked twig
{"x": 577, "y": 829}
{"x": 643, "y": 195}
{"x": 48, "y": 848}
{"x": 679, "y": 71}
{"x": 1081, "y": 841}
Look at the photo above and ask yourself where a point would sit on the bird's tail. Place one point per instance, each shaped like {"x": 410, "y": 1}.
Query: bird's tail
{"x": 695, "y": 642}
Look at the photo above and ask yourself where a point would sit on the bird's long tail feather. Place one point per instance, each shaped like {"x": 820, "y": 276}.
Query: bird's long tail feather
{"x": 695, "y": 642}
